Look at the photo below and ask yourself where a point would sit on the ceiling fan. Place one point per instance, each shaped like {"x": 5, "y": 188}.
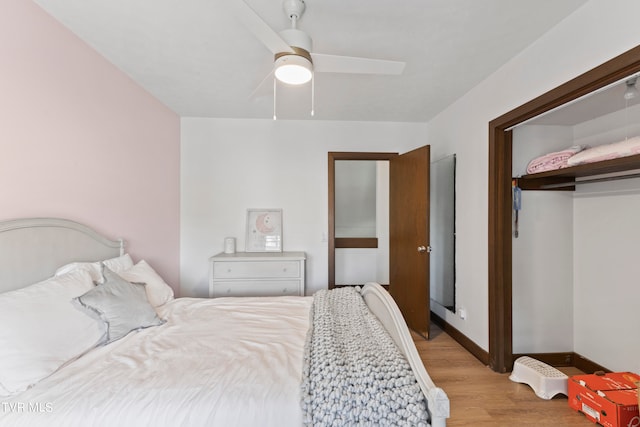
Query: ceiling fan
{"x": 294, "y": 60}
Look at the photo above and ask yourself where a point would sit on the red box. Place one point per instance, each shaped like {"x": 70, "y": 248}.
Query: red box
{"x": 610, "y": 400}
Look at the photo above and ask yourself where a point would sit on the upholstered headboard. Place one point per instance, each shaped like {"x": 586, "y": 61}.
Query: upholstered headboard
{"x": 31, "y": 249}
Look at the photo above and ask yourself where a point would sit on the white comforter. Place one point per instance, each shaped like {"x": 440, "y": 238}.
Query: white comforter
{"x": 216, "y": 362}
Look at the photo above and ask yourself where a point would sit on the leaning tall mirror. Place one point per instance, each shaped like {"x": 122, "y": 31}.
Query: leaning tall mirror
{"x": 443, "y": 232}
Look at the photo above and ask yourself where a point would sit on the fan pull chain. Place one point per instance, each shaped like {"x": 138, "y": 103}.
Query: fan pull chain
{"x": 313, "y": 93}
{"x": 274, "y": 98}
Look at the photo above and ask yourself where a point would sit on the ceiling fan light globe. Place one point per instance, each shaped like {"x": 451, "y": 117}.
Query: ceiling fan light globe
{"x": 293, "y": 70}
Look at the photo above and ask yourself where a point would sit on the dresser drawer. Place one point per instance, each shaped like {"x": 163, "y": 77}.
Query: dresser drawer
{"x": 255, "y": 269}
{"x": 256, "y": 274}
{"x": 239, "y": 288}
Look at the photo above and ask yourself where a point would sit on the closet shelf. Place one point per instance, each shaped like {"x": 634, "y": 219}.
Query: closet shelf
{"x": 565, "y": 179}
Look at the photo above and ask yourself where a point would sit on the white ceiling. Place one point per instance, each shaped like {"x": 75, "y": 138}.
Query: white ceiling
{"x": 195, "y": 56}
{"x": 606, "y": 100}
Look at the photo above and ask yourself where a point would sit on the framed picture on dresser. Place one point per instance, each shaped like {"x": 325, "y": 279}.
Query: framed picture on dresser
{"x": 264, "y": 230}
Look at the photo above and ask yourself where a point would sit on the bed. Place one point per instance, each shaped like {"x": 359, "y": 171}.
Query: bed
{"x": 262, "y": 361}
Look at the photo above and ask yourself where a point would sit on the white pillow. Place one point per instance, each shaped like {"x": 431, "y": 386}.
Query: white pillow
{"x": 42, "y": 330}
{"x": 116, "y": 264}
{"x": 158, "y": 292}
{"x": 121, "y": 305}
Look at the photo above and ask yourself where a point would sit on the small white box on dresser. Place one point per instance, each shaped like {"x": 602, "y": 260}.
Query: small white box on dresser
{"x": 256, "y": 274}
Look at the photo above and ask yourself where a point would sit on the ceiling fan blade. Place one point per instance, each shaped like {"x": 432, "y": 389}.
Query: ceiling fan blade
{"x": 264, "y": 88}
{"x": 258, "y": 27}
{"x": 323, "y": 63}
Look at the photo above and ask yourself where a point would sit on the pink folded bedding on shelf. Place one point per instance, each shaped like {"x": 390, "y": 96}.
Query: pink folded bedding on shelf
{"x": 553, "y": 161}
{"x": 628, "y": 147}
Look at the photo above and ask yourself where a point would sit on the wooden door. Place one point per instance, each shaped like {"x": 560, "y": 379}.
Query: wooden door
{"x": 409, "y": 237}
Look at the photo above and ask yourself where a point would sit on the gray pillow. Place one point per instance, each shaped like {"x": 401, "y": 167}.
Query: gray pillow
{"x": 121, "y": 305}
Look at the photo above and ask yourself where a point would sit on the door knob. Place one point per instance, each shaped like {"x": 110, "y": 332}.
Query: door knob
{"x": 422, "y": 249}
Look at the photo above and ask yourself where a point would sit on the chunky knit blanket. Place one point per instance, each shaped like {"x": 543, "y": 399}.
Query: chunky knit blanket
{"x": 353, "y": 373}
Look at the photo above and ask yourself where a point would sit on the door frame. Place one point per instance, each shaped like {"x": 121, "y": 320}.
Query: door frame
{"x": 500, "y": 171}
{"x": 332, "y": 156}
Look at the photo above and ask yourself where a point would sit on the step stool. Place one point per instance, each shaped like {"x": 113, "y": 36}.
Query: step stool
{"x": 545, "y": 380}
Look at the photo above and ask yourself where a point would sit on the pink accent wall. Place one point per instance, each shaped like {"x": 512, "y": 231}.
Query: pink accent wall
{"x": 80, "y": 140}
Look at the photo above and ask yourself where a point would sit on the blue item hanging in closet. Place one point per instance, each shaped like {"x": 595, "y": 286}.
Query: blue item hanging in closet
{"x": 517, "y": 205}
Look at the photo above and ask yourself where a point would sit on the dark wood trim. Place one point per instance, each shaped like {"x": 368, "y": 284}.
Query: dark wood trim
{"x": 500, "y": 324}
{"x": 461, "y": 339}
{"x": 566, "y": 359}
{"x": 500, "y": 256}
{"x": 332, "y": 225}
{"x": 356, "y": 242}
{"x": 586, "y": 365}
{"x": 610, "y": 72}
{"x": 553, "y": 359}
{"x": 546, "y": 183}
{"x": 562, "y": 359}
{"x": 332, "y": 156}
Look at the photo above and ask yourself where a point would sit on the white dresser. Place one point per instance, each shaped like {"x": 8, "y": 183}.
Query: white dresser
{"x": 256, "y": 274}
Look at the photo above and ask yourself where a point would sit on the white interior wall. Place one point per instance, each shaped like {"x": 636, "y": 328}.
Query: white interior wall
{"x": 230, "y": 165}
{"x": 606, "y": 267}
{"x": 362, "y": 265}
{"x": 357, "y": 266}
{"x": 595, "y": 33}
{"x": 613, "y": 127}
{"x": 355, "y": 198}
{"x": 542, "y": 281}
{"x": 607, "y": 272}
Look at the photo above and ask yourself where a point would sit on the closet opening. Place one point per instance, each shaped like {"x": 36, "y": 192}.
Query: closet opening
{"x": 500, "y": 244}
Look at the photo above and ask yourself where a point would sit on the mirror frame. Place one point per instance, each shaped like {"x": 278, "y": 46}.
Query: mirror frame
{"x": 365, "y": 242}
{"x": 433, "y": 195}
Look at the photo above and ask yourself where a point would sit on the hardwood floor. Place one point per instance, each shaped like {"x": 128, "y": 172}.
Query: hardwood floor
{"x": 480, "y": 397}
